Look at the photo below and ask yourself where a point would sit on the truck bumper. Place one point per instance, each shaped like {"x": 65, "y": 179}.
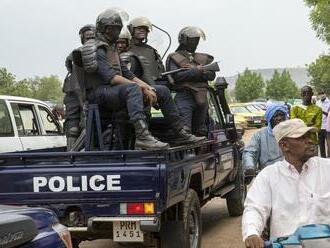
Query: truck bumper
{"x": 101, "y": 226}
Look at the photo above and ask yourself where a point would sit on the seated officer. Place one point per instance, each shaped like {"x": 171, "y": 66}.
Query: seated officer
{"x": 191, "y": 84}
{"x": 110, "y": 84}
{"x": 144, "y": 61}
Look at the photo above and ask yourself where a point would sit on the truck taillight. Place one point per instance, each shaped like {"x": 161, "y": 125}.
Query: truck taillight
{"x": 137, "y": 208}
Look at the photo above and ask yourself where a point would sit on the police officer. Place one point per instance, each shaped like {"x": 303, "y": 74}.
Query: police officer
{"x": 110, "y": 84}
{"x": 192, "y": 83}
{"x": 123, "y": 41}
{"x": 73, "y": 99}
{"x": 145, "y": 62}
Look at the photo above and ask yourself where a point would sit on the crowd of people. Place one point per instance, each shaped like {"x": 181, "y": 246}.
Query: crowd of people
{"x": 292, "y": 185}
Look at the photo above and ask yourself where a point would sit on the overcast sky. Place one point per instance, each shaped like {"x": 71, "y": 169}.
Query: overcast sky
{"x": 37, "y": 35}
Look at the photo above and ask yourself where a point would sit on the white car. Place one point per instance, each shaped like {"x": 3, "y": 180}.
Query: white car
{"x": 28, "y": 124}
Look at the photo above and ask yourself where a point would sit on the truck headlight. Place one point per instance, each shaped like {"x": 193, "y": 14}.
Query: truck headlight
{"x": 64, "y": 234}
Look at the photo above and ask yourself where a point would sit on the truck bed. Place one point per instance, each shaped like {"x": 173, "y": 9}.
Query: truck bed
{"x": 107, "y": 177}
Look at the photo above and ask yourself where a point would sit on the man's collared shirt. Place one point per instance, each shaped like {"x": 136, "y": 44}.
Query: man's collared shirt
{"x": 290, "y": 199}
{"x": 325, "y": 105}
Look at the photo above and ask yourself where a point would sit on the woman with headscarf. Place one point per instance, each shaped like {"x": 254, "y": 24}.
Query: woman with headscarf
{"x": 262, "y": 149}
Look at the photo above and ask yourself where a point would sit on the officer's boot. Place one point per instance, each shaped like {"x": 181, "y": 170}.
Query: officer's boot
{"x": 144, "y": 140}
{"x": 184, "y": 138}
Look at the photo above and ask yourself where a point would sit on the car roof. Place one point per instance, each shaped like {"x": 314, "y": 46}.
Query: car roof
{"x": 23, "y": 99}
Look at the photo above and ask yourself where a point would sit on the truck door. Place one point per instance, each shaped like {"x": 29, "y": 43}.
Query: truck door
{"x": 224, "y": 157}
{"x": 9, "y": 140}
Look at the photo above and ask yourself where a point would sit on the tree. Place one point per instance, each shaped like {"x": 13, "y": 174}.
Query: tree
{"x": 281, "y": 86}
{"x": 320, "y": 73}
{"x": 48, "y": 88}
{"x": 43, "y": 88}
{"x": 249, "y": 86}
{"x": 7, "y": 81}
{"x": 320, "y": 18}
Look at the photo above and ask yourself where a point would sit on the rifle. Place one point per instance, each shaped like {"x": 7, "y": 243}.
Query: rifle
{"x": 209, "y": 67}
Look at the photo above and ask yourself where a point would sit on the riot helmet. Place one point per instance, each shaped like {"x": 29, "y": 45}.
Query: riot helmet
{"x": 110, "y": 22}
{"x": 139, "y": 28}
{"x": 87, "y": 32}
{"x": 189, "y": 38}
{"x": 123, "y": 41}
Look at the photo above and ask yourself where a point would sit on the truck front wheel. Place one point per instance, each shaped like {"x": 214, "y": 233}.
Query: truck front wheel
{"x": 235, "y": 199}
{"x": 187, "y": 231}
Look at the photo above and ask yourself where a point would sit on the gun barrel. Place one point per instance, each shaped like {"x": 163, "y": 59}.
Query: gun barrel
{"x": 174, "y": 71}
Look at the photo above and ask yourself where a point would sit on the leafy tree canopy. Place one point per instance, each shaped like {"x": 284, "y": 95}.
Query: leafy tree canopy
{"x": 249, "y": 86}
{"x": 43, "y": 88}
{"x": 320, "y": 18}
{"x": 281, "y": 86}
{"x": 319, "y": 71}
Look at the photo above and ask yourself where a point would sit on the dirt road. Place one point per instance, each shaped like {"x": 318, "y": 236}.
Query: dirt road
{"x": 219, "y": 229}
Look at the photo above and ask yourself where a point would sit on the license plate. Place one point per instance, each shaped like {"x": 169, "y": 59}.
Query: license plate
{"x": 127, "y": 231}
{"x": 257, "y": 121}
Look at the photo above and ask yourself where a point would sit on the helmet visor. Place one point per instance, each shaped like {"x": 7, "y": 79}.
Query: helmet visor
{"x": 194, "y": 32}
{"x": 114, "y": 16}
{"x": 141, "y": 22}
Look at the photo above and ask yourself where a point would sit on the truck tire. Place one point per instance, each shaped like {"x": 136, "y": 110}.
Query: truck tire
{"x": 187, "y": 232}
{"x": 235, "y": 199}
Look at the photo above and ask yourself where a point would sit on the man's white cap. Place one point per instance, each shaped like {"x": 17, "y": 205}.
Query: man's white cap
{"x": 293, "y": 128}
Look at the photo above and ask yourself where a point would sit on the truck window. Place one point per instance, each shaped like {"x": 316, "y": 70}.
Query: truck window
{"x": 25, "y": 119}
{"x": 48, "y": 121}
{"x": 6, "y": 128}
{"x": 214, "y": 115}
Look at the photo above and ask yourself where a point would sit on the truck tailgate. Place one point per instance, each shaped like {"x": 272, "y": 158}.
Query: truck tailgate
{"x": 60, "y": 178}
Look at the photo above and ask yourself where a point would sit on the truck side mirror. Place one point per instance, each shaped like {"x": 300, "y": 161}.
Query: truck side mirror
{"x": 230, "y": 119}
{"x": 220, "y": 84}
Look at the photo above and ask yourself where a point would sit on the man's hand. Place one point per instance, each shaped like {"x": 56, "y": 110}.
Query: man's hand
{"x": 190, "y": 66}
{"x": 254, "y": 241}
{"x": 150, "y": 95}
{"x": 187, "y": 66}
{"x": 147, "y": 90}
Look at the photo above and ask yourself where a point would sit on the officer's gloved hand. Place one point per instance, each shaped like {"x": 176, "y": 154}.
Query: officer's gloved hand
{"x": 249, "y": 174}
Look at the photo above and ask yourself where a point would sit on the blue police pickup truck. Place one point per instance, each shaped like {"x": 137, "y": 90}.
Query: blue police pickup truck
{"x": 152, "y": 198}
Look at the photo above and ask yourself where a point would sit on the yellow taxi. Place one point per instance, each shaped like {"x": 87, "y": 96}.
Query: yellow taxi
{"x": 245, "y": 117}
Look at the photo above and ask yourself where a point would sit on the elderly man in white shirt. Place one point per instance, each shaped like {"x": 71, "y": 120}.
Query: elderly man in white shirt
{"x": 291, "y": 192}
